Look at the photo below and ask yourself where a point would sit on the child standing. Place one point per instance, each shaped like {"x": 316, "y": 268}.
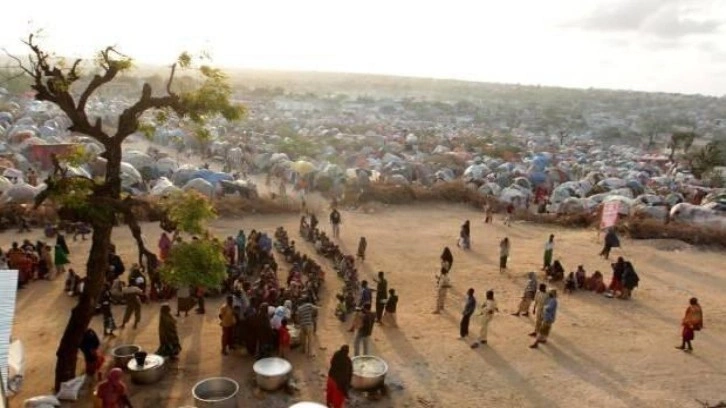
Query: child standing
{"x": 283, "y": 337}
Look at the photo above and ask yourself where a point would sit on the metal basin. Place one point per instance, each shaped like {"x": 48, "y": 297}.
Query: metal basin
{"x": 294, "y": 335}
{"x": 369, "y": 372}
{"x": 307, "y": 404}
{"x": 272, "y": 373}
{"x": 123, "y": 354}
{"x": 150, "y": 372}
{"x": 217, "y": 392}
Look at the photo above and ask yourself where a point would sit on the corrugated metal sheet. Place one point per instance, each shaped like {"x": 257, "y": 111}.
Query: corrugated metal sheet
{"x": 8, "y": 292}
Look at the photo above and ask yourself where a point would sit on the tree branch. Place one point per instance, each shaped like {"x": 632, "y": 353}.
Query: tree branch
{"x": 111, "y": 70}
{"x": 52, "y": 85}
{"x": 171, "y": 79}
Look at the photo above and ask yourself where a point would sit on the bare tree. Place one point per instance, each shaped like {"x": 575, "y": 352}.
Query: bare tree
{"x": 99, "y": 202}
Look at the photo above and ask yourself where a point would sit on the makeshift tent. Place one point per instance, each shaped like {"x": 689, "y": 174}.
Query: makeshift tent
{"x": 41, "y": 153}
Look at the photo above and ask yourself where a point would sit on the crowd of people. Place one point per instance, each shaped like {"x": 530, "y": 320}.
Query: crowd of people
{"x": 268, "y": 316}
{"x": 622, "y": 284}
{"x": 37, "y": 260}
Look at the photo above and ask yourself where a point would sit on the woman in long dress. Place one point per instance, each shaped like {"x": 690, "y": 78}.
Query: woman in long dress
{"x": 339, "y": 378}
{"x": 164, "y": 246}
{"x": 503, "y": 254}
{"x": 168, "y": 337}
{"x": 61, "y": 257}
{"x": 692, "y": 322}
{"x": 548, "y": 252}
{"x": 447, "y": 260}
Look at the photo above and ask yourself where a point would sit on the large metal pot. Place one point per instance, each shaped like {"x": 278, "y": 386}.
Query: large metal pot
{"x": 123, "y": 354}
{"x": 150, "y": 372}
{"x": 294, "y": 331}
{"x": 307, "y": 404}
{"x": 369, "y": 372}
{"x": 272, "y": 373}
{"x": 217, "y": 392}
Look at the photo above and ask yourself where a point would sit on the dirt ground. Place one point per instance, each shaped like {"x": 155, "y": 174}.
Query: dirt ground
{"x": 602, "y": 352}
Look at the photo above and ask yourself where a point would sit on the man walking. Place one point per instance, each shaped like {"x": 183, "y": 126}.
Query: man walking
{"x": 528, "y": 297}
{"x": 391, "y": 305}
{"x": 132, "y": 295}
{"x": 488, "y": 308}
{"x": 306, "y": 320}
{"x": 548, "y": 319}
{"x": 227, "y": 320}
{"x": 365, "y": 329}
{"x": 539, "y": 303}
{"x": 469, "y": 308}
{"x": 381, "y": 295}
{"x": 335, "y": 222}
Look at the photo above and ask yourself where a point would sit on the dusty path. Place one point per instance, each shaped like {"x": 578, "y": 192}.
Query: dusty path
{"x": 603, "y": 352}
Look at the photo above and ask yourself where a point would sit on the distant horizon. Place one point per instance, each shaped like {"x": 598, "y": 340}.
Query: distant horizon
{"x": 231, "y": 70}
{"x": 668, "y": 46}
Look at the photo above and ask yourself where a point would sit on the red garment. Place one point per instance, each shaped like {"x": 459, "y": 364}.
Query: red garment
{"x": 93, "y": 367}
{"x": 333, "y": 396}
{"x": 687, "y": 333}
{"x": 616, "y": 285}
{"x": 283, "y": 337}
{"x": 112, "y": 391}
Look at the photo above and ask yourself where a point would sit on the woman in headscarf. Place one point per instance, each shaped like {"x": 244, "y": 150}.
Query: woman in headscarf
{"x": 362, "y": 245}
{"x": 447, "y": 260}
{"x": 164, "y": 246}
{"x": 616, "y": 283}
{"x": 241, "y": 243}
{"x": 60, "y": 240}
{"x": 692, "y": 322}
{"x": 503, "y": 254}
{"x": 465, "y": 236}
{"x": 528, "y": 297}
{"x": 549, "y": 250}
{"x": 46, "y": 259}
{"x": 168, "y": 337}
{"x": 89, "y": 347}
{"x": 61, "y": 255}
{"x": 339, "y": 378}
{"x": 265, "y": 337}
{"x": 112, "y": 392}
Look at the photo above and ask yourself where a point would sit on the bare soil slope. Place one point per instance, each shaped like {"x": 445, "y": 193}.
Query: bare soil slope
{"x": 602, "y": 353}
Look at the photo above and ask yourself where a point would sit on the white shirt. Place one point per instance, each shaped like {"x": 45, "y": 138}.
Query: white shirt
{"x": 549, "y": 246}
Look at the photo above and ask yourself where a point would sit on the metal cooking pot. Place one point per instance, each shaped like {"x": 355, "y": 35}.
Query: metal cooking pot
{"x": 307, "y": 404}
{"x": 217, "y": 392}
{"x": 123, "y": 354}
{"x": 150, "y": 372}
{"x": 369, "y": 372}
{"x": 272, "y": 373}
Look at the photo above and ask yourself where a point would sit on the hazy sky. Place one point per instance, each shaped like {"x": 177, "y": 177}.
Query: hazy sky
{"x": 653, "y": 45}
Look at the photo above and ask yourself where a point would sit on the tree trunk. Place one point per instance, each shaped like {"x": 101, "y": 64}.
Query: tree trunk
{"x": 96, "y": 268}
{"x": 83, "y": 312}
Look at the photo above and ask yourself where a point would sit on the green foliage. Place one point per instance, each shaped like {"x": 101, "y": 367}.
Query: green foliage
{"x": 184, "y": 60}
{"x": 76, "y": 156}
{"x": 705, "y": 159}
{"x": 190, "y": 211}
{"x": 681, "y": 140}
{"x": 212, "y": 97}
{"x": 297, "y": 147}
{"x": 147, "y": 129}
{"x": 196, "y": 263}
